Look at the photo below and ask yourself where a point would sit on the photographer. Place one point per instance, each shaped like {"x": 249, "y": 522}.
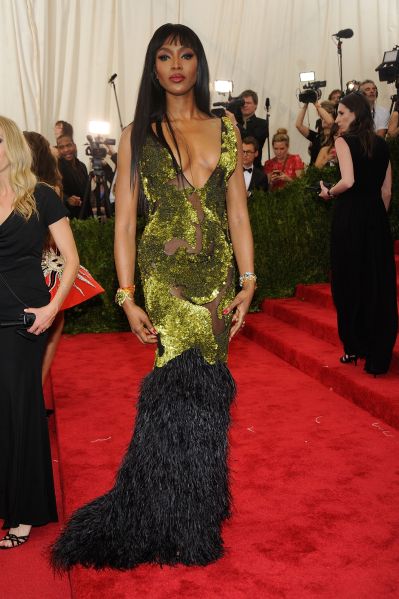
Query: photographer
{"x": 326, "y": 112}
{"x": 249, "y": 124}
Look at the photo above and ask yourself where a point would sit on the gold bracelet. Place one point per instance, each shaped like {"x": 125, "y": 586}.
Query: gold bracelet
{"x": 124, "y": 293}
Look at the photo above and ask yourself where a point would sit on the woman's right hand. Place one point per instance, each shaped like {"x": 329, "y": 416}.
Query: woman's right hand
{"x": 139, "y": 322}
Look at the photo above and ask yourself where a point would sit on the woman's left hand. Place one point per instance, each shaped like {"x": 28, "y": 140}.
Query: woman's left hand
{"x": 241, "y": 303}
{"x": 324, "y": 191}
{"x": 283, "y": 177}
{"x": 44, "y": 318}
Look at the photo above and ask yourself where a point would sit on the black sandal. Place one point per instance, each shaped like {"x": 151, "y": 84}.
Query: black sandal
{"x": 15, "y": 541}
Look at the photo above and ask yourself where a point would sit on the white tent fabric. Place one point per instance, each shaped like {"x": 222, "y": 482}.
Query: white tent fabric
{"x": 57, "y": 55}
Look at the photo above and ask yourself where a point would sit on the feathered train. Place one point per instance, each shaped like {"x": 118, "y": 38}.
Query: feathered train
{"x": 171, "y": 493}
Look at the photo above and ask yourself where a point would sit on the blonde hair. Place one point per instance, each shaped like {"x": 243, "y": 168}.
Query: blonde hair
{"x": 281, "y": 135}
{"x": 22, "y": 180}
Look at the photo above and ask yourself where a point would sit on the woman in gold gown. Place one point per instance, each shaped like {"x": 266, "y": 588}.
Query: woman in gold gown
{"x": 184, "y": 167}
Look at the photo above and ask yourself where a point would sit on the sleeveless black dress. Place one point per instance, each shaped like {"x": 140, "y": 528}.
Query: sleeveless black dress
{"x": 362, "y": 262}
{"x": 26, "y": 478}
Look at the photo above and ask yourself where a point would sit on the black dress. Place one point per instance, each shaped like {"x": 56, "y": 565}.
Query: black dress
{"x": 362, "y": 262}
{"x": 26, "y": 479}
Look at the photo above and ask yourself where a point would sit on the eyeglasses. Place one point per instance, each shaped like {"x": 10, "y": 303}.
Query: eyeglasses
{"x": 248, "y": 152}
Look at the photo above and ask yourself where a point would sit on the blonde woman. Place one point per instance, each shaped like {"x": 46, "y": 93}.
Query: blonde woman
{"x": 28, "y": 212}
{"x": 284, "y": 167}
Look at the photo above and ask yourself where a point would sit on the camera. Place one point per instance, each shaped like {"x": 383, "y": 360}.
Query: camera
{"x": 388, "y": 70}
{"x": 232, "y": 104}
{"x": 97, "y": 151}
{"x": 311, "y": 92}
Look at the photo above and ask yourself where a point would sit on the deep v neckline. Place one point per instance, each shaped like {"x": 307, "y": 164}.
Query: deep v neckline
{"x": 6, "y": 219}
{"x": 160, "y": 137}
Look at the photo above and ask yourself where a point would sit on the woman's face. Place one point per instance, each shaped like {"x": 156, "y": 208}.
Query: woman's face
{"x": 344, "y": 118}
{"x": 176, "y": 68}
{"x": 335, "y": 97}
{"x": 4, "y": 161}
{"x": 280, "y": 149}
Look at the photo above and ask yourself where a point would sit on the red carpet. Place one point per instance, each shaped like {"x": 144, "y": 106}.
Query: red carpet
{"x": 303, "y": 331}
{"x": 24, "y": 572}
{"x": 315, "y": 479}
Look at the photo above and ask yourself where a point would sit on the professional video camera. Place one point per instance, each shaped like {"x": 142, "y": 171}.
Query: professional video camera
{"x": 232, "y": 105}
{"x": 312, "y": 92}
{"x": 98, "y": 152}
{"x": 96, "y": 197}
{"x": 388, "y": 70}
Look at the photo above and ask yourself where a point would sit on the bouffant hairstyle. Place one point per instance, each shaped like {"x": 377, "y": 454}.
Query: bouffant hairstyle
{"x": 281, "y": 135}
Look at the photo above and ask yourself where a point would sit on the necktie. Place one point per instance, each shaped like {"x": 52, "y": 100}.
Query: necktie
{"x": 248, "y": 170}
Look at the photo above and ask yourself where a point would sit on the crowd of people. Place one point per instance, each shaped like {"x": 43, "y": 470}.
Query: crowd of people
{"x": 285, "y": 167}
{"x": 191, "y": 174}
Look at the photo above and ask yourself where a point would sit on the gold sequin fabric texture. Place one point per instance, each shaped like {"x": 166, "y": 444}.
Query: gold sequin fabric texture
{"x": 185, "y": 254}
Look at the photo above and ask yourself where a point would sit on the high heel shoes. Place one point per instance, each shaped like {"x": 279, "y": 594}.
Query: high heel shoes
{"x": 348, "y": 358}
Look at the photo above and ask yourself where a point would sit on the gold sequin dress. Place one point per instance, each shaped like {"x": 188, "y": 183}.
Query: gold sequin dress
{"x": 171, "y": 494}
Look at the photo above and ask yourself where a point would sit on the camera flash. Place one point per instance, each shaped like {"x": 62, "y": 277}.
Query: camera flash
{"x": 223, "y": 87}
{"x": 99, "y": 127}
{"x": 305, "y": 77}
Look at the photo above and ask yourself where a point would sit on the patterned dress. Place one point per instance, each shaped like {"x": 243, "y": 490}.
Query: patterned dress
{"x": 172, "y": 494}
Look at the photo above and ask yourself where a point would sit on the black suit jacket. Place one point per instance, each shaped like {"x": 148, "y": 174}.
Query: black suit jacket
{"x": 257, "y": 128}
{"x": 258, "y": 180}
{"x": 74, "y": 183}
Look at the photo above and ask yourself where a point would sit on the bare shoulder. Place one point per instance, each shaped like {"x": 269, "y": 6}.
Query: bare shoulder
{"x": 340, "y": 142}
{"x": 231, "y": 126}
{"x": 124, "y": 143}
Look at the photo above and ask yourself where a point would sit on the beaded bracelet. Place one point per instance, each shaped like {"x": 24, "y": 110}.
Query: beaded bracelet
{"x": 124, "y": 293}
{"x": 247, "y": 276}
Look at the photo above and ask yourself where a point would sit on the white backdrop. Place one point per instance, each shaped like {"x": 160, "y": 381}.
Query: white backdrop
{"x": 57, "y": 55}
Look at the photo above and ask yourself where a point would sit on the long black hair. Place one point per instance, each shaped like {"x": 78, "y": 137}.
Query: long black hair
{"x": 363, "y": 125}
{"x": 151, "y": 99}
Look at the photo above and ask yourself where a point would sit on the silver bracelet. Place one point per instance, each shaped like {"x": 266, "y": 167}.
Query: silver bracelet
{"x": 247, "y": 276}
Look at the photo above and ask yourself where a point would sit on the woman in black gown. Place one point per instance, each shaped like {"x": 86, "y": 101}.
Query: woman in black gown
{"x": 28, "y": 210}
{"x": 362, "y": 263}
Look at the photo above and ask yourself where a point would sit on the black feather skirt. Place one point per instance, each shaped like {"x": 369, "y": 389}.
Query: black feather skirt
{"x": 171, "y": 493}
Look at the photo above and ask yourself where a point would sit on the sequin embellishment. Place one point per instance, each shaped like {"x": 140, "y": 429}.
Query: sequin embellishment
{"x": 185, "y": 254}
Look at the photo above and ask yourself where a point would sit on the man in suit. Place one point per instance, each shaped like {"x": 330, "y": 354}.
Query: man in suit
{"x": 250, "y": 125}
{"x": 75, "y": 179}
{"x": 254, "y": 177}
